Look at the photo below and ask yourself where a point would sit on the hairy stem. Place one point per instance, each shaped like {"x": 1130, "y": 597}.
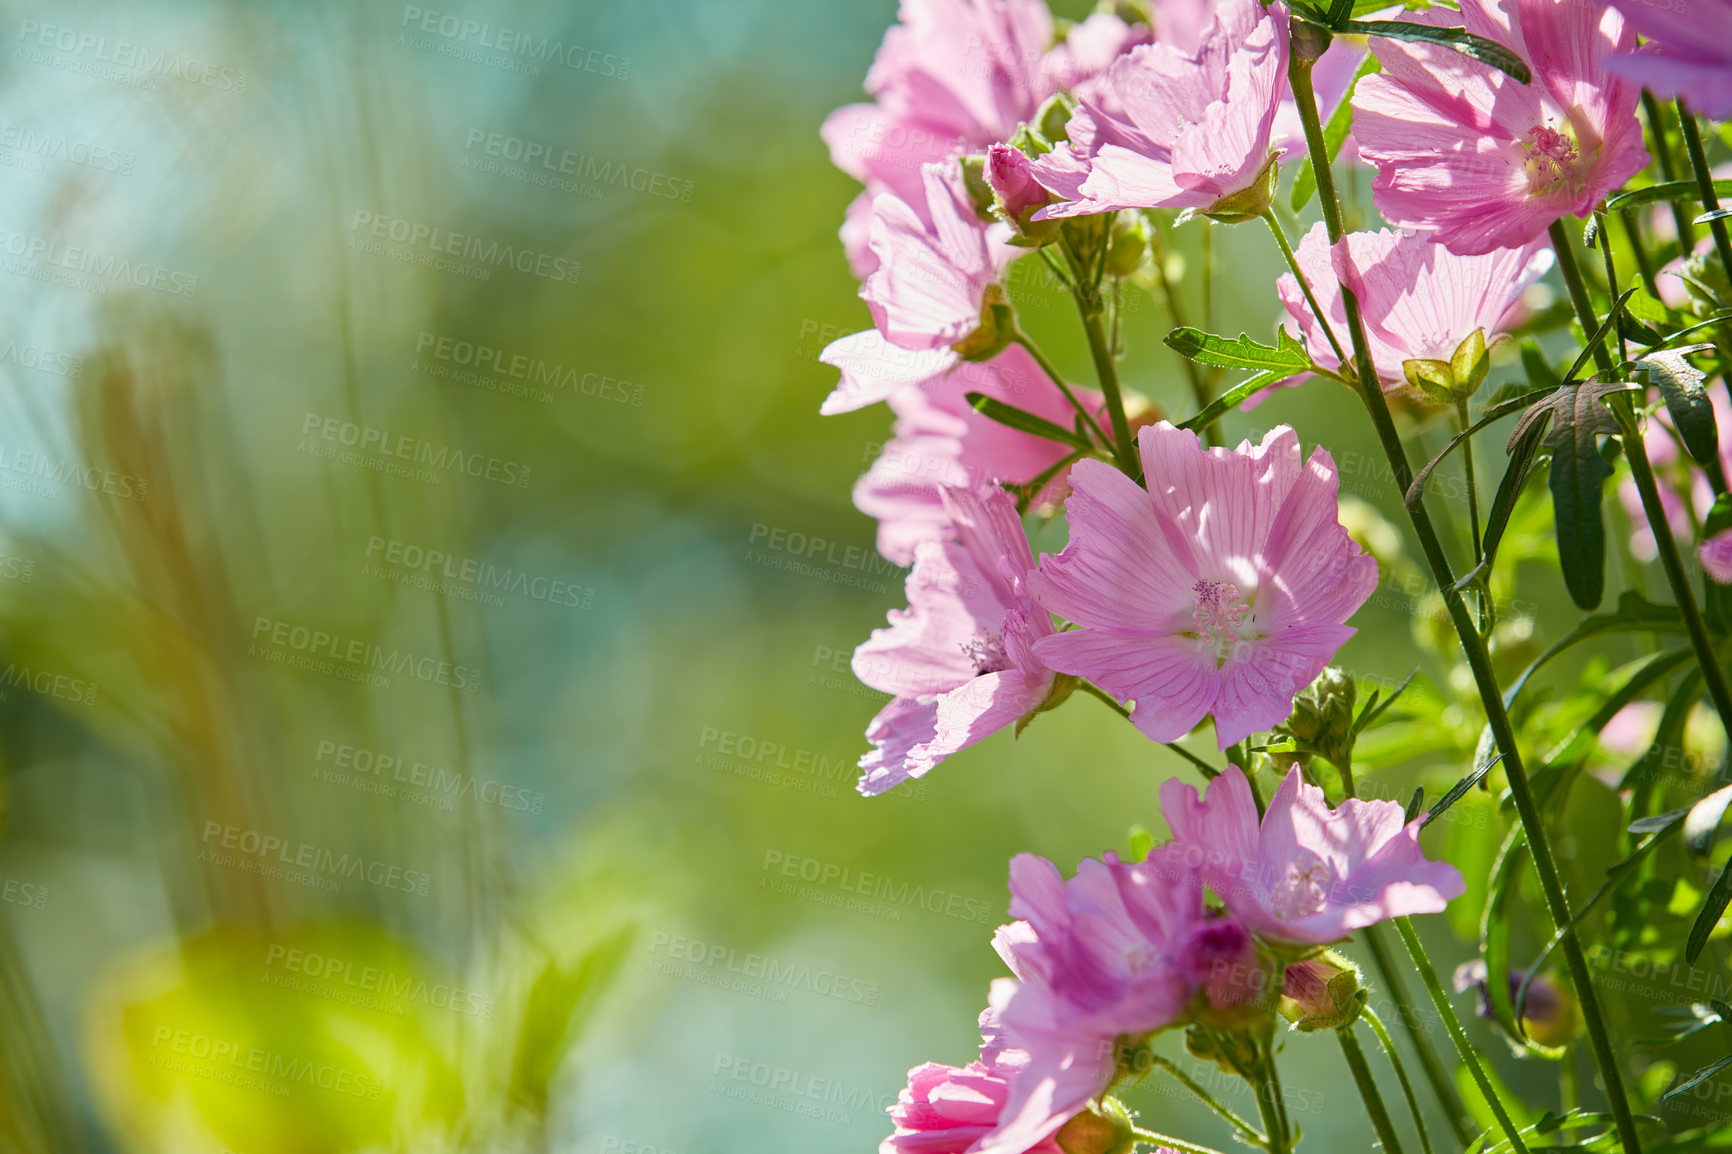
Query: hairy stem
{"x": 1442, "y": 1084}
{"x": 1374, "y": 1106}
{"x": 1388, "y": 1045}
{"x": 1208, "y": 1099}
{"x": 1473, "y": 645}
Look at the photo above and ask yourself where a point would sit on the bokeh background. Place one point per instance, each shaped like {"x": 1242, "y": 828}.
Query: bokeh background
{"x": 427, "y": 591}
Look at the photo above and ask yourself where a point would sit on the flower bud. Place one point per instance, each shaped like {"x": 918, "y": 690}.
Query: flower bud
{"x": 1321, "y": 993}
{"x": 1322, "y": 716}
{"x": 997, "y": 328}
{"x": 975, "y": 184}
{"x": 1250, "y": 202}
{"x": 1550, "y": 1012}
{"x": 1102, "y": 1128}
{"x": 1018, "y": 195}
{"x": 1220, "y": 956}
{"x": 1128, "y": 246}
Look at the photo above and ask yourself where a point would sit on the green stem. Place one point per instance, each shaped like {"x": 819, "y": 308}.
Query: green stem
{"x": 1209, "y": 771}
{"x": 1473, "y": 646}
{"x": 1623, "y": 406}
{"x": 1578, "y": 289}
{"x": 1463, "y": 1047}
{"x": 1268, "y": 1105}
{"x": 1472, "y": 486}
{"x": 1668, "y": 170}
{"x": 1644, "y": 262}
{"x": 1305, "y": 285}
{"x": 1057, "y": 378}
{"x": 1705, "y": 178}
{"x": 1124, "y": 448}
{"x": 1612, "y": 284}
{"x": 1209, "y": 1100}
{"x": 1200, "y": 390}
{"x": 1388, "y": 1045}
{"x": 1442, "y": 1084}
{"x": 1179, "y": 1144}
{"x": 1380, "y": 1122}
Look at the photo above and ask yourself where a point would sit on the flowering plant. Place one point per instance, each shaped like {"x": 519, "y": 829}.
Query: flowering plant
{"x": 1208, "y": 589}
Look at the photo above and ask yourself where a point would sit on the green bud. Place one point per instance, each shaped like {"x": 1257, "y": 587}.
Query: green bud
{"x": 1470, "y": 364}
{"x": 1063, "y": 685}
{"x": 1052, "y": 119}
{"x": 1129, "y": 244}
{"x": 1102, "y": 1128}
{"x": 979, "y": 192}
{"x": 1309, "y": 42}
{"x": 1322, "y": 716}
{"x": 1433, "y": 378}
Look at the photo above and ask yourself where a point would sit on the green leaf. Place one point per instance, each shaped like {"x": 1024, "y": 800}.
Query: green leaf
{"x": 1334, "y": 135}
{"x": 1459, "y": 791}
{"x": 554, "y": 1014}
{"x": 1025, "y": 422}
{"x": 1697, "y": 1078}
{"x": 1709, "y": 916}
{"x": 1522, "y": 453}
{"x": 1474, "y": 47}
{"x": 1231, "y": 399}
{"x": 1713, "y": 215}
{"x": 1577, "y": 418}
{"x": 1671, "y": 190}
{"x": 1541, "y": 374}
{"x": 1680, "y": 383}
{"x": 1650, "y": 309}
{"x": 1497, "y": 412}
{"x": 1287, "y": 356}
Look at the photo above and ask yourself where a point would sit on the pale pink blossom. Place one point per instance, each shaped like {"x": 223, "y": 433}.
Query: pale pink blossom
{"x": 1305, "y": 874}
{"x": 1222, "y": 588}
{"x": 940, "y": 440}
{"x": 1482, "y": 161}
{"x": 926, "y": 295}
{"x": 1715, "y": 554}
{"x": 1167, "y": 128}
{"x": 959, "y": 659}
{"x": 952, "y": 77}
{"x": 1688, "y": 54}
{"x": 1419, "y": 300}
{"x": 1121, "y": 948}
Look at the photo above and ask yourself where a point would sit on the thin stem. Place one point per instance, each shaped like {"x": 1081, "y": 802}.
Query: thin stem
{"x": 1623, "y": 405}
{"x": 1578, "y": 288}
{"x": 1057, "y": 378}
{"x": 1644, "y": 262}
{"x": 1473, "y": 646}
{"x": 1267, "y": 1094}
{"x": 1569, "y": 1086}
{"x": 1305, "y": 285}
{"x": 1275, "y": 1094}
{"x": 1442, "y": 1084}
{"x": 1612, "y": 283}
{"x": 1472, "y": 485}
{"x": 1124, "y": 448}
{"x": 1380, "y": 1122}
{"x": 1200, "y": 390}
{"x": 1388, "y": 1044}
{"x": 1179, "y": 1144}
{"x": 1097, "y": 691}
{"x": 1209, "y": 771}
{"x": 1463, "y": 1047}
{"x": 1705, "y": 178}
{"x": 1668, "y": 170}
{"x": 1208, "y": 1099}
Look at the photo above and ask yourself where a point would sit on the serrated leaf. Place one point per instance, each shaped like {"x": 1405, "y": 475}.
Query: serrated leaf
{"x": 1680, "y": 383}
{"x": 1334, "y": 135}
{"x": 1024, "y": 422}
{"x": 1287, "y": 356}
{"x": 1460, "y": 39}
{"x": 1671, "y": 190}
{"x": 1577, "y": 418}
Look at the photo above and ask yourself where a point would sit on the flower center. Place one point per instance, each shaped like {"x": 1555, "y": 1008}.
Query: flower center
{"x": 1220, "y": 615}
{"x": 1302, "y": 892}
{"x": 1552, "y": 157}
{"x": 986, "y": 650}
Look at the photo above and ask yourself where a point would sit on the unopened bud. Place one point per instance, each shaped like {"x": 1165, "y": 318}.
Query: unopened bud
{"x": 1018, "y": 195}
{"x": 1322, "y": 716}
{"x": 1549, "y": 1015}
{"x": 1102, "y": 1128}
{"x": 1321, "y": 993}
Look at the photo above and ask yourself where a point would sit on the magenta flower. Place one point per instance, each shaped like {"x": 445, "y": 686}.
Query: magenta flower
{"x": 1118, "y": 949}
{"x": 1167, "y": 128}
{"x": 1419, "y": 300}
{"x": 1688, "y": 54}
{"x": 959, "y": 659}
{"x": 1308, "y": 874}
{"x": 926, "y": 295}
{"x": 1222, "y": 588}
{"x": 940, "y": 441}
{"x": 1481, "y": 161}
{"x": 1715, "y": 554}
{"x": 946, "y": 1110}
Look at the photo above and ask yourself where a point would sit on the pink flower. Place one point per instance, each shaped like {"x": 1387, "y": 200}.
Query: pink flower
{"x": 1011, "y": 175}
{"x": 940, "y": 441}
{"x": 1220, "y": 589}
{"x": 1715, "y": 554}
{"x": 955, "y": 76}
{"x": 959, "y": 659}
{"x": 1308, "y": 874}
{"x": 926, "y": 295}
{"x": 1482, "y": 161}
{"x": 1118, "y": 949}
{"x": 1688, "y": 54}
{"x": 1166, "y": 128}
{"x": 1420, "y": 301}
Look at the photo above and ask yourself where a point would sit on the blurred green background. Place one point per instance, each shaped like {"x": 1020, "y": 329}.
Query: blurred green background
{"x": 406, "y": 753}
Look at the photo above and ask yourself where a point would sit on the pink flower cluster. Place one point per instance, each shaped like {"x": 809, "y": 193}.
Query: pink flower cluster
{"x": 1125, "y": 949}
